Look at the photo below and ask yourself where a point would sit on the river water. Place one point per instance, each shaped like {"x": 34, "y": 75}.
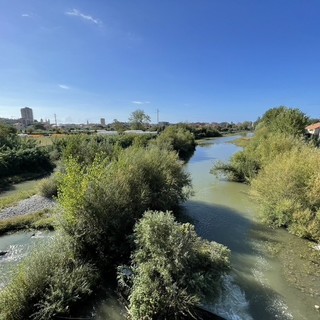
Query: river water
{"x": 222, "y": 211}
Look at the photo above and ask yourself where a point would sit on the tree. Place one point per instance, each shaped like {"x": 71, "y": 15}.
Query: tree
{"x": 173, "y": 269}
{"x": 6, "y": 132}
{"x": 118, "y": 126}
{"x": 179, "y": 139}
{"x": 39, "y": 126}
{"x": 139, "y": 120}
{"x": 284, "y": 120}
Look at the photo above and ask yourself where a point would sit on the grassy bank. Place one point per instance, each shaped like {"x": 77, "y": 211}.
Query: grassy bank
{"x": 38, "y": 220}
{"x": 14, "y": 199}
{"x": 241, "y": 142}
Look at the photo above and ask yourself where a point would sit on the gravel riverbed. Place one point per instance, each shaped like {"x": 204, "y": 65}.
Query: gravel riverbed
{"x": 31, "y": 205}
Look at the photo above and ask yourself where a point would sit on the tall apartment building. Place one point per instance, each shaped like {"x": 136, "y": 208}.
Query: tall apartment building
{"x": 103, "y": 122}
{"x": 27, "y": 116}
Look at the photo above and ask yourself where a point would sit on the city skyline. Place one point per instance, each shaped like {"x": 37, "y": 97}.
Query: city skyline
{"x": 209, "y": 62}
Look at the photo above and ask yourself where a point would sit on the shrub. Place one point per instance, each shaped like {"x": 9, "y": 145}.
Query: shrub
{"x": 48, "y": 187}
{"x": 288, "y": 191}
{"x": 173, "y": 270}
{"x": 284, "y": 120}
{"x": 178, "y": 139}
{"x": 84, "y": 148}
{"x": 48, "y": 283}
{"x": 16, "y": 161}
{"x": 102, "y": 201}
{"x": 261, "y": 149}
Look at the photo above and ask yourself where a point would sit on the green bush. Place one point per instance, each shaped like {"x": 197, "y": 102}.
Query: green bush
{"x": 178, "y": 139}
{"x": 48, "y": 187}
{"x": 279, "y": 130}
{"x": 50, "y": 282}
{"x": 17, "y": 161}
{"x": 173, "y": 270}
{"x": 288, "y": 191}
{"x": 205, "y": 132}
{"x": 284, "y": 120}
{"x": 102, "y": 201}
{"x": 261, "y": 149}
{"x": 84, "y": 148}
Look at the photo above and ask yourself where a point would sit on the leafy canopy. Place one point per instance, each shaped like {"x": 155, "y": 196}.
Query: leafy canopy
{"x": 284, "y": 120}
{"x": 139, "y": 119}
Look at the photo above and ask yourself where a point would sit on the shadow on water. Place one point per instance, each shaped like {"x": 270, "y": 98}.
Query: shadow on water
{"x": 228, "y": 227}
{"x": 216, "y": 223}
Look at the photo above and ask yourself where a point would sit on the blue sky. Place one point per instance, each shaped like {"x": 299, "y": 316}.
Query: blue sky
{"x": 194, "y": 60}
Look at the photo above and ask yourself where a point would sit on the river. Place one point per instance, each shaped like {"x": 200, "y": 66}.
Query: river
{"x": 222, "y": 211}
{"x": 258, "y": 286}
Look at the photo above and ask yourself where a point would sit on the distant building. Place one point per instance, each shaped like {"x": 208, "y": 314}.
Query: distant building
{"x": 314, "y": 129}
{"x": 26, "y": 116}
{"x": 103, "y": 122}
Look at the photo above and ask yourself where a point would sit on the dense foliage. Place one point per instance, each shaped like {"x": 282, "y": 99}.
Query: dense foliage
{"x": 283, "y": 169}
{"x": 178, "y": 139}
{"x": 288, "y": 191}
{"x": 105, "y": 184}
{"x": 261, "y": 149}
{"x": 284, "y": 120}
{"x": 85, "y": 148}
{"x": 279, "y": 130}
{"x": 173, "y": 270}
{"x": 48, "y": 283}
{"x": 102, "y": 201}
{"x": 139, "y": 120}
{"x": 19, "y": 155}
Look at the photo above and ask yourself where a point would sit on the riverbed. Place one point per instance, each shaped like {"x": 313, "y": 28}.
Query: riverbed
{"x": 263, "y": 283}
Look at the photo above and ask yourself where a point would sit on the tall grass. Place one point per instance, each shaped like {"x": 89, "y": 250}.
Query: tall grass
{"x": 288, "y": 191}
{"x": 37, "y": 220}
{"x": 48, "y": 283}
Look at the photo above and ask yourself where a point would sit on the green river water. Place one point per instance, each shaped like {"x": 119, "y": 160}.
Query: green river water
{"x": 261, "y": 285}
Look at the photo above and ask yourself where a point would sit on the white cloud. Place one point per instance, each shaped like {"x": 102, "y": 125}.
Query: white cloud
{"x": 63, "y": 86}
{"x": 77, "y": 13}
{"x": 25, "y": 15}
{"x": 140, "y": 102}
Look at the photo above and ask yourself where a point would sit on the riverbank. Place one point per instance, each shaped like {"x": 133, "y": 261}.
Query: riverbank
{"x": 32, "y": 213}
{"x": 300, "y": 260}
